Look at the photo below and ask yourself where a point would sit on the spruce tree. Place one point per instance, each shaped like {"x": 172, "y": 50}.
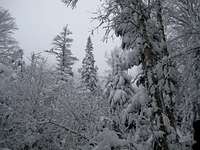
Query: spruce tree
{"x": 88, "y": 70}
{"x": 62, "y": 44}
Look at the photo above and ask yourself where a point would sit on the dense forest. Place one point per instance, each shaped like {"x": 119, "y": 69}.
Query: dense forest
{"x": 43, "y": 108}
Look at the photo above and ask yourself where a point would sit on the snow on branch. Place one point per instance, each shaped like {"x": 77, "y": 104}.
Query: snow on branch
{"x": 65, "y": 128}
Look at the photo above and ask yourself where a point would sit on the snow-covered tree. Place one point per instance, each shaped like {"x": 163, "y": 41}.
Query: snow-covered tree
{"x": 183, "y": 26}
{"x": 7, "y": 28}
{"x": 20, "y": 63}
{"x": 62, "y": 44}
{"x": 141, "y": 27}
{"x": 88, "y": 70}
{"x": 23, "y": 107}
{"x": 77, "y": 111}
{"x": 8, "y": 45}
{"x": 118, "y": 88}
{"x": 119, "y": 92}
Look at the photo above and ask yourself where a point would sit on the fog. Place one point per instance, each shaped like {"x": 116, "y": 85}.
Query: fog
{"x": 39, "y": 21}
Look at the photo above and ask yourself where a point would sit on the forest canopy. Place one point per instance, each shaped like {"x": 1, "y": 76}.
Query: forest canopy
{"x": 148, "y": 99}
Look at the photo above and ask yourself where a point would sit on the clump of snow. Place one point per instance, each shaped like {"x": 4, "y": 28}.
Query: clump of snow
{"x": 139, "y": 100}
{"x": 109, "y": 139}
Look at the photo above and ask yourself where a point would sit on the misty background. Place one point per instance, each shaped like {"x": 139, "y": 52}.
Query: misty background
{"x": 39, "y": 21}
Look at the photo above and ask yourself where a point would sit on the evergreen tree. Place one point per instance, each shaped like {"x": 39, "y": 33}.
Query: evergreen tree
{"x": 142, "y": 32}
{"x": 61, "y": 49}
{"x": 115, "y": 129}
{"x": 8, "y": 44}
{"x": 88, "y": 70}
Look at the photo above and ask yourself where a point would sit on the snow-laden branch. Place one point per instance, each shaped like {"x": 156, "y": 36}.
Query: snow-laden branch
{"x": 65, "y": 128}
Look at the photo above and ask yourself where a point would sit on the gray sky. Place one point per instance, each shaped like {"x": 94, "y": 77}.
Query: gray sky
{"x": 39, "y": 21}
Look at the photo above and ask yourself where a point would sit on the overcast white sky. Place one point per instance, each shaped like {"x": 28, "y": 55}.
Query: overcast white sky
{"x": 39, "y": 21}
